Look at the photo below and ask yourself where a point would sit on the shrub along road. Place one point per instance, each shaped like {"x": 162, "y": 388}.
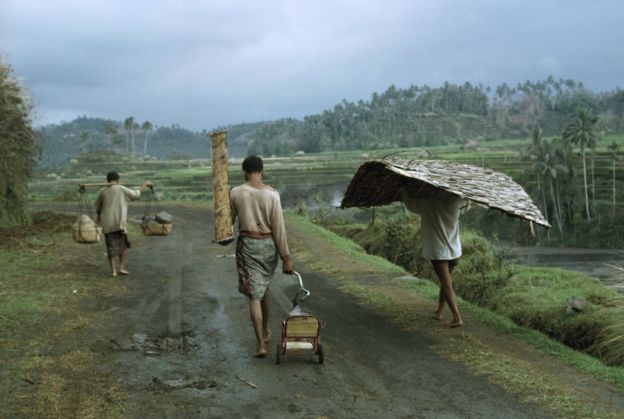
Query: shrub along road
{"x": 174, "y": 340}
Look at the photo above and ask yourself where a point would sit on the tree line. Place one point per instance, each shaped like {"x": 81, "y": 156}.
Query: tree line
{"x": 552, "y": 177}
{"x": 422, "y": 115}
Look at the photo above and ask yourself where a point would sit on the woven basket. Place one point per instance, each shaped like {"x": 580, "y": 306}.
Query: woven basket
{"x": 156, "y": 229}
{"x": 86, "y": 233}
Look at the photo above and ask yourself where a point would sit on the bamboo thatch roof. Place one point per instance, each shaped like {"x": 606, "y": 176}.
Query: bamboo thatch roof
{"x": 379, "y": 182}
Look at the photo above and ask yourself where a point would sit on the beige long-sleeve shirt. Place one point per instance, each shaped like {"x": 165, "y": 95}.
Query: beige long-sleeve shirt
{"x": 260, "y": 210}
{"x": 112, "y": 205}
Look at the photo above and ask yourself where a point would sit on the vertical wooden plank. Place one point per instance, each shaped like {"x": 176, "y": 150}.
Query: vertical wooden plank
{"x": 221, "y": 188}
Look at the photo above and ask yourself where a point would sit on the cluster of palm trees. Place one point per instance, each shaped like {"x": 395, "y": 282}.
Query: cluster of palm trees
{"x": 129, "y": 127}
{"x": 553, "y": 169}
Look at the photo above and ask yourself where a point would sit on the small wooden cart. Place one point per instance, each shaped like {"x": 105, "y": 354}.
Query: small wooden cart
{"x": 301, "y": 331}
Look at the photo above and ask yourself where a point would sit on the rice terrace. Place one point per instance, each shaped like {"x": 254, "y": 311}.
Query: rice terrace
{"x": 197, "y": 222}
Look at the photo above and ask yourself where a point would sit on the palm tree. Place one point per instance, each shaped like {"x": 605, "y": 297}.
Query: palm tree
{"x": 146, "y": 127}
{"x": 581, "y": 132}
{"x": 538, "y": 154}
{"x": 614, "y": 148}
{"x": 110, "y": 129}
{"x": 130, "y": 126}
{"x": 84, "y": 139}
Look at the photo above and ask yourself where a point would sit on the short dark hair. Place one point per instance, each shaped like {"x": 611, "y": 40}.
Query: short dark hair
{"x": 112, "y": 176}
{"x": 253, "y": 164}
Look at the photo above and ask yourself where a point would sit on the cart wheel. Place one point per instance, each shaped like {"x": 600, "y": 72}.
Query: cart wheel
{"x": 278, "y": 354}
{"x": 321, "y": 356}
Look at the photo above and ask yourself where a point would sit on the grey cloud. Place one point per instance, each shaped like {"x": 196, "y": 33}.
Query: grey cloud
{"x": 208, "y": 63}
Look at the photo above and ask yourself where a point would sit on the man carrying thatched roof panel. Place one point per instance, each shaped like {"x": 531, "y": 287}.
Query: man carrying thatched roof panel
{"x": 436, "y": 191}
{"x": 378, "y": 182}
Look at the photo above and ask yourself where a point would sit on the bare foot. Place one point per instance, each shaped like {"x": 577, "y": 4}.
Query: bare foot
{"x": 261, "y": 353}
{"x": 114, "y": 274}
{"x": 267, "y": 336}
{"x": 437, "y": 315}
{"x": 123, "y": 272}
{"x": 456, "y": 323}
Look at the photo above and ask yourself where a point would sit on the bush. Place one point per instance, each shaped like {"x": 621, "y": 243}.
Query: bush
{"x": 17, "y": 149}
{"x": 537, "y": 297}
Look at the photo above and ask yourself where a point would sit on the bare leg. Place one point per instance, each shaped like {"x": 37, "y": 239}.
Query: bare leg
{"x": 112, "y": 265}
{"x": 265, "y": 305}
{"x": 122, "y": 263}
{"x": 441, "y": 297}
{"x": 255, "y": 312}
{"x": 443, "y": 271}
{"x": 441, "y": 301}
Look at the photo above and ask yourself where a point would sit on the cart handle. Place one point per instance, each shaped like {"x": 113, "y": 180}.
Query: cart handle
{"x": 302, "y": 290}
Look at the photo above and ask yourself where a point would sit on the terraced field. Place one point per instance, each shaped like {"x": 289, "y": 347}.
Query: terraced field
{"x": 308, "y": 177}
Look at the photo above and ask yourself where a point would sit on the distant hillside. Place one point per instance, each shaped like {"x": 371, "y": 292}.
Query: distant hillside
{"x": 61, "y": 142}
{"x": 424, "y": 116}
{"x": 415, "y": 116}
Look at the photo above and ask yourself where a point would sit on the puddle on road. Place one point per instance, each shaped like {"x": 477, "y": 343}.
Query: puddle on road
{"x": 155, "y": 346}
{"x": 179, "y": 384}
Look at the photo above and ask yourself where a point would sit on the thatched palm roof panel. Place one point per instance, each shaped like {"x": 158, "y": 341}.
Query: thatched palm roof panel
{"x": 379, "y": 182}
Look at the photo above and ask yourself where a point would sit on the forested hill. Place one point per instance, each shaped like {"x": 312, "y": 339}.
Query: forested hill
{"x": 422, "y": 115}
{"x": 414, "y": 116}
{"x": 61, "y": 142}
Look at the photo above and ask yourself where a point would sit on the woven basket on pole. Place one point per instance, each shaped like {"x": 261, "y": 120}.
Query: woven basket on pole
{"x": 379, "y": 182}
{"x": 221, "y": 189}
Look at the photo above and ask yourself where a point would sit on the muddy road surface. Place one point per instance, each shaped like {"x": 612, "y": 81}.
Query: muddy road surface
{"x": 182, "y": 346}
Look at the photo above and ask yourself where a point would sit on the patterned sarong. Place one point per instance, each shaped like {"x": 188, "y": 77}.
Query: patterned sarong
{"x": 256, "y": 260}
{"x": 116, "y": 243}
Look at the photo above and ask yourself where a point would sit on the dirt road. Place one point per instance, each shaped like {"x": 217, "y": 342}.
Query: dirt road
{"x": 181, "y": 346}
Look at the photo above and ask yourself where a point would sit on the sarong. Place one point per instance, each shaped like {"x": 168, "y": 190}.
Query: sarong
{"x": 116, "y": 243}
{"x": 256, "y": 260}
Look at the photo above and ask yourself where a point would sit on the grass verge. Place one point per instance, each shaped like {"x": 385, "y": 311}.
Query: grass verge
{"x": 49, "y": 324}
{"x": 525, "y": 378}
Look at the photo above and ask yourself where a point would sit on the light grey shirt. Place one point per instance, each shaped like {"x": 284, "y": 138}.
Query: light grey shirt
{"x": 112, "y": 205}
{"x": 439, "y": 225}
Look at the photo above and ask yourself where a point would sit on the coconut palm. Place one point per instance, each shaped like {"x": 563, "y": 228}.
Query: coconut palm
{"x": 110, "y": 129}
{"x": 146, "y": 127}
{"x": 84, "y": 140}
{"x": 538, "y": 155}
{"x": 130, "y": 126}
{"x": 614, "y": 148}
{"x": 581, "y": 132}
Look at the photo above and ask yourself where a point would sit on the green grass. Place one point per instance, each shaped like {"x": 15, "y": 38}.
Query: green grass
{"x": 42, "y": 324}
{"x": 429, "y": 290}
{"x": 517, "y": 376}
{"x": 345, "y": 246}
{"x": 22, "y": 305}
{"x": 502, "y": 324}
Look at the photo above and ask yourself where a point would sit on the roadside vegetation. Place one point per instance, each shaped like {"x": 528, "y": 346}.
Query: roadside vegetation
{"x": 523, "y": 360}
{"x": 49, "y": 294}
{"x": 577, "y": 310}
{"x": 17, "y": 148}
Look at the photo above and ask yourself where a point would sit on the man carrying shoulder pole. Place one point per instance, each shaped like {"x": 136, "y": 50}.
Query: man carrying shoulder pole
{"x": 111, "y": 206}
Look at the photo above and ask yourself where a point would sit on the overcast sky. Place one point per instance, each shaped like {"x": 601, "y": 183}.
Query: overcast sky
{"x": 204, "y": 64}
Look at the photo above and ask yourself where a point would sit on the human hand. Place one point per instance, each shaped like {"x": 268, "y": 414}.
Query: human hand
{"x": 148, "y": 183}
{"x": 287, "y": 267}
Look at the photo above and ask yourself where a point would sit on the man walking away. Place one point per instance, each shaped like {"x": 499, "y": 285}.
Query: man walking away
{"x": 439, "y": 234}
{"x": 262, "y": 237}
{"x": 111, "y": 206}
